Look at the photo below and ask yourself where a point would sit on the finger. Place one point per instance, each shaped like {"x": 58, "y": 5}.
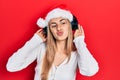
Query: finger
{"x": 77, "y": 31}
{"x": 39, "y": 30}
{"x": 82, "y": 29}
{"x": 44, "y": 36}
{"x": 78, "y": 26}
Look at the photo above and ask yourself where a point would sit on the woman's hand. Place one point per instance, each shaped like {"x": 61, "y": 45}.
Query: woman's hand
{"x": 79, "y": 32}
{"x": 41, "y": 34}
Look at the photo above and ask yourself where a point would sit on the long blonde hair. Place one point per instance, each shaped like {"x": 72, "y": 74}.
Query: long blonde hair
{"x": 51, "y": 49}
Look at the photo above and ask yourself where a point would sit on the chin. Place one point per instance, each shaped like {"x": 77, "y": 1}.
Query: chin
{"x": 61, "y": 38}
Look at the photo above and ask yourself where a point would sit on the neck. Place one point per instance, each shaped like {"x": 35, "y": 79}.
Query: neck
{"x": 61, "y": 45}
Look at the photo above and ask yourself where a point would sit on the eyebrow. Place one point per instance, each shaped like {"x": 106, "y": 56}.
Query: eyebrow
{"x": 53, "y": 23}
{"x": 62, "y": 19}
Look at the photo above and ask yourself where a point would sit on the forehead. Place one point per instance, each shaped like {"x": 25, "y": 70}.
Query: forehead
{"x": 57, "y": 19}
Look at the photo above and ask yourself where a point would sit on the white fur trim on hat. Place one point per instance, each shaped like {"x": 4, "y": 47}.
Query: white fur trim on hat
{"x": 59, "y": 13}
{"x": 55, "y": 13}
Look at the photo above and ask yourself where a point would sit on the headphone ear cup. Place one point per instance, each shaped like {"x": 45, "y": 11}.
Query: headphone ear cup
{"x": 45, "y": 30}
{"x": 74, "y": 23}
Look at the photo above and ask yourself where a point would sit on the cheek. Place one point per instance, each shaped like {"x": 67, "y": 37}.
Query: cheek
{"x": 53, "y": 32}
{"x": 66, "y": 31}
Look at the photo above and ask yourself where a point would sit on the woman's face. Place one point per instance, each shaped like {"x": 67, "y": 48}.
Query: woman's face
{"x": 59, "y": 28}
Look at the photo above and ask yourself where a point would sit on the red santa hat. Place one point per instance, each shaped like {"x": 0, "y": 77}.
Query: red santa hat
{"x": 54, "y": 13}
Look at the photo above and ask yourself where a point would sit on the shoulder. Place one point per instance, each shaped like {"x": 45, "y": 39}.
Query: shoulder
{"x": 74, "y": 53}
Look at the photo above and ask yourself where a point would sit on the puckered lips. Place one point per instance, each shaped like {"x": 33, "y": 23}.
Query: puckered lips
{"x": 59, "y": 33}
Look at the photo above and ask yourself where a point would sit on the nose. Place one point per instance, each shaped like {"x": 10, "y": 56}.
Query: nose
{"x": 59, "y": 27}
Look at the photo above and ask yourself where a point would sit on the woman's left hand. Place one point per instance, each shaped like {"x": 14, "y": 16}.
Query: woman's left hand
{"x": 79, "y": 32}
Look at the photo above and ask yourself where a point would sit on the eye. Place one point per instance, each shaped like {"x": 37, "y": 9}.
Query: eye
{"x": 63, "y": 22}
{"x": 53, "y": 25}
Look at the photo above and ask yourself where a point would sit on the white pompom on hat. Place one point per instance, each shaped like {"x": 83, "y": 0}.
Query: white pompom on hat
{"x": 41, "y": 23}
{"x": 57, "y": 12}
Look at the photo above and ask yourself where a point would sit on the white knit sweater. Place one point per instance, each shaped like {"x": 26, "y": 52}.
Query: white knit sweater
{"x": 34, "y": 49}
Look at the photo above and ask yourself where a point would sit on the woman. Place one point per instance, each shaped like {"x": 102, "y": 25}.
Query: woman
{"x": 59, "y": 53}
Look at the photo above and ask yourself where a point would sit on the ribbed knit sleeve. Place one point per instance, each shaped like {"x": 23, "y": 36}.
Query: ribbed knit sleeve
{"x": 87, "y": 64}
{"x": 25, "y": 55}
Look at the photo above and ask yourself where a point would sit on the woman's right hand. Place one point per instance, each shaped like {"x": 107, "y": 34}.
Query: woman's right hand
{"x": 41, "y": 34}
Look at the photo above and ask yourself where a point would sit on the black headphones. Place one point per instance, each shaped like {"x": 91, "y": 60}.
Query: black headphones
{"x": 74, "y": 24}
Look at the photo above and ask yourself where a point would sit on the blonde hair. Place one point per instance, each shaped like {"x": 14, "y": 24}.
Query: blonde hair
{"x": 50, "y": 51}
